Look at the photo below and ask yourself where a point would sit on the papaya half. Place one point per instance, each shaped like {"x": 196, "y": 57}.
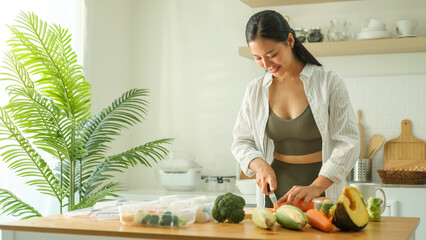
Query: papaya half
{"x": 350, "y": 213}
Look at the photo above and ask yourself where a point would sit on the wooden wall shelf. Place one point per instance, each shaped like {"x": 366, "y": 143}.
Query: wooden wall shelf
{"x": 359, "y": 47}
{"x": 270, "y": 3}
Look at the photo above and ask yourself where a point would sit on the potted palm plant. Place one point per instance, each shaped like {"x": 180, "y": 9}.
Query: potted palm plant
{"x": 48, "y": 116}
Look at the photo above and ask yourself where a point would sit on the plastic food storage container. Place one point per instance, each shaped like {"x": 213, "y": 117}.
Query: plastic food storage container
{"x": 79, "y": 213}
{"x": 156, "y": 214}
{"x": 203, "y": 204}
{"x": 167, "y": 200}
{"x": 204, "y": 208}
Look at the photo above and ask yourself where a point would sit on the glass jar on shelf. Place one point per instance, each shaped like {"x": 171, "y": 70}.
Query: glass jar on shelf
{"x": 300, "y": 34}
{"x": 315, "y": 35}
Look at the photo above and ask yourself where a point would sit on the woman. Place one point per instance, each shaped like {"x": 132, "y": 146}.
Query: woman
{"x": 296, "y": 129}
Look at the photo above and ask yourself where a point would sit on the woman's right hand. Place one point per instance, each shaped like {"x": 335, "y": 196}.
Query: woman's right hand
{"x": 264, "y": 175}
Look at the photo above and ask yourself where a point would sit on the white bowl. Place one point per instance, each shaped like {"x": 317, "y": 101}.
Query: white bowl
{"x": 374, "y": 35}
{"x": 246, "y": 186}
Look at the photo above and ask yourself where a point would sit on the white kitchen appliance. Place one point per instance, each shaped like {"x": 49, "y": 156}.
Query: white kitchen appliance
{"x": 179, "y": 174}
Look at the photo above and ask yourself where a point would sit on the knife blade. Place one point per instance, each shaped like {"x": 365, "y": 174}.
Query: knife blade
{"x": 272, "y": 197}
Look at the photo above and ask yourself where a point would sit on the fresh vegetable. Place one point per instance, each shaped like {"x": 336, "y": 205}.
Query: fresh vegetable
{"x": 263, "y": 218}
{"x": 154, "y": 220}
{"x": 318, "y": 220}
{"x": 147, "y": 219}
{"x": 166, "y": 219}
{"x": 291, "y": 217}
{"x": 178, "y": 222}
{"x": 229, "y": 207}
{"x": 310, "y": 205}
{"x": 203, "y": 214}
{"x": 331, "y": 211}
{"x": 374, "y": 209}
{"x": 138, "y": 216}
{"x": 351, "y": 213}
{"x": 325, "y": 207}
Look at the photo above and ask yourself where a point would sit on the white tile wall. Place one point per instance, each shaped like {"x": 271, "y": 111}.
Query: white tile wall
{"x": 385, "y": 101}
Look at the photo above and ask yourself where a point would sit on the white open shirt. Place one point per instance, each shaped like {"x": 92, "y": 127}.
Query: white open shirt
{"x": 333, "y": 113}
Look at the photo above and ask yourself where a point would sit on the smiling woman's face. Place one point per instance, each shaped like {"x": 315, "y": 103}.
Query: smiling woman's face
{"x": 274, "y": 56}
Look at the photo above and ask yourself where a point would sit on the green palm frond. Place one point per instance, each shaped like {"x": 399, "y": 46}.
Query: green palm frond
{"x": 48, "y": 125}
{"x": 36, "y": 114}
{"x": 10, "y": 204}
{"x": 47, "y": 53}
{"x": 101, "y": 128}
{"x": 139, "y": 155}
{"x": 16, "y": 72}
{"x": 101, "y": 194}
{"x": 123, "y": 112}
{"x": 25, "y": 161}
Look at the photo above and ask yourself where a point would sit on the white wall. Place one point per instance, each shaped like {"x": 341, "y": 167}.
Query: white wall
{"x": 185, "y": 52}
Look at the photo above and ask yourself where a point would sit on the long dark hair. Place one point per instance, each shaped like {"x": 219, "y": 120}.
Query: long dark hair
{"x": 272, "y": 25}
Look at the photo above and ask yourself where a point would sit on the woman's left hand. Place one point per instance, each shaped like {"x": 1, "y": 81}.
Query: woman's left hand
{"x": 297, "y": 193}
{"x": 307, "y": 193}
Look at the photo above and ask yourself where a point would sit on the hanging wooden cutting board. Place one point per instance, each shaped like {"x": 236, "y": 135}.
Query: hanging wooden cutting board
{"x": 405, "y": 151}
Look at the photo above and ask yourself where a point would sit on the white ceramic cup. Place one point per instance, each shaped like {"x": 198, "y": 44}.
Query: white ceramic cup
{"x": 406, "y": 27}
{"x": 373, "y": 25}
{"x": 368, "y": 190}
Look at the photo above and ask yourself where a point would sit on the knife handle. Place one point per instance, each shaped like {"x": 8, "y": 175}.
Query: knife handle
{"x": 268, "y": 188}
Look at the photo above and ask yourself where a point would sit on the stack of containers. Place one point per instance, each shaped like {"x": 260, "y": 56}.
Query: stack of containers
{"x": 203, "y": 204}
{"x": 106, "y": 210}
{"x": 168, "y": 211}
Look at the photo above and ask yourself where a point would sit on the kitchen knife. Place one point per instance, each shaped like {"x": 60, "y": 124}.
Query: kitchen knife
{"x": 272, "y": 197}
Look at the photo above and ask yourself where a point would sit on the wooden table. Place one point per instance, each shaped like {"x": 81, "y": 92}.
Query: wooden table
{"x": 60, "y": 227}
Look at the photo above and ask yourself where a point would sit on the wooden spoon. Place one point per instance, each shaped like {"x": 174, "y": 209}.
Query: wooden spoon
{"x": 361, "y": 136}
{"x": 374, "y": 145}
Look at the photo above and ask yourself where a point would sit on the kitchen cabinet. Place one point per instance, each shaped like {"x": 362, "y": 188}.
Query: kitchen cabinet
{"x": 409, "y": 201}
{"x": 60, "y": 227}
{"x": 270, "y": 3}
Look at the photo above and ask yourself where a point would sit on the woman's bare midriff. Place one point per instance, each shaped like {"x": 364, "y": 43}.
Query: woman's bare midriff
{"x": 301, "y": 159}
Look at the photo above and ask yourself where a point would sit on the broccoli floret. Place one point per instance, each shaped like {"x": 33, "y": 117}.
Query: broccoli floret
{"x": 178, "y": 222}
{"x": 154, "y": 220}
{"x": 175, "y": 220}
{"x": 229, "y": 207}
{"x": 325, "y": 207}
{"x": 181, "y": 222}
{"x": 166, "y": 219}
{"x": 236, "y": 216}
{"x": 146, "y": 220}
{"x": 217, "y": 215}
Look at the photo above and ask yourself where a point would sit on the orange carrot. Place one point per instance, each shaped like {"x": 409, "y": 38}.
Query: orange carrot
{"x": 275, "y": 207}
{"x": 318, "y": 220}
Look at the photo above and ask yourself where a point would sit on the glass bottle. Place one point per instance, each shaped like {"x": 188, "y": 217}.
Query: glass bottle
{"x": 339, "y": 30}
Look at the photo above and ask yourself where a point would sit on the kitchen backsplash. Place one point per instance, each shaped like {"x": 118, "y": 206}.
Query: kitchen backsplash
{"x": 384, "y": 102}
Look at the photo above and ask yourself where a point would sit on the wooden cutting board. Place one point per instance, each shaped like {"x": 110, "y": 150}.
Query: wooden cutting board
{"x": 405, "y": 151}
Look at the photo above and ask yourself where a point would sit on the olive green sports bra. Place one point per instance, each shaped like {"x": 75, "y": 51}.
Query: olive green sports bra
{"x": 298, "y": 136}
